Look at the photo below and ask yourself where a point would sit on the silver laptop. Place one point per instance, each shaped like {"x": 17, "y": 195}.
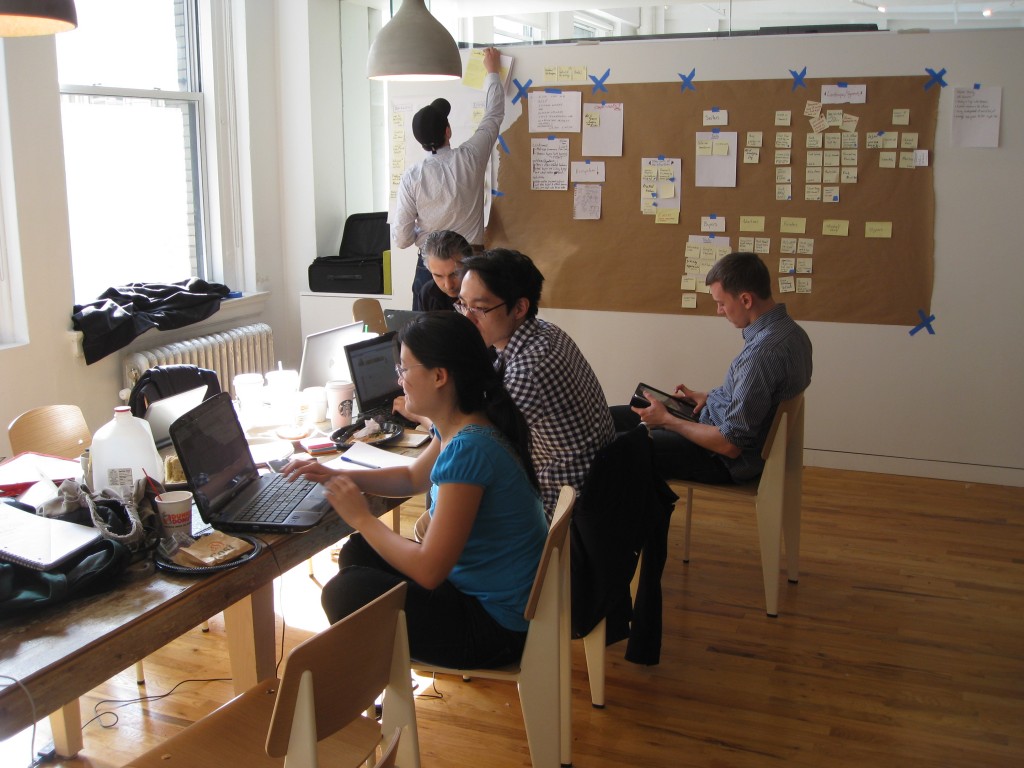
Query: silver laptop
{"x": 323, "y": 355}
{"x": 229, "y": 492}
{"x": 162, "y": 413}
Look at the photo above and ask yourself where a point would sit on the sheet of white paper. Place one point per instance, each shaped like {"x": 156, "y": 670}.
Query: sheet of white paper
{"x": 717, "y": 170}
{"x": 549, "y": 164}
{"x": 363, "y": 456}
{"x": 976, "y": 116}
{"x": 555, "y": 111}
{"x": 602, "y": 130}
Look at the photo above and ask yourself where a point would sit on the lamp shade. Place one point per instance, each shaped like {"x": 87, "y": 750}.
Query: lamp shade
{"x": 414, "y": 46}
{"x": 23, "y": 18}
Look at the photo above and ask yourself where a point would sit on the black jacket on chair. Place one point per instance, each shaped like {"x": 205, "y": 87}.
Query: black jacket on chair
{"x": 625, "y": 508}
{"x": 165, "y": 380}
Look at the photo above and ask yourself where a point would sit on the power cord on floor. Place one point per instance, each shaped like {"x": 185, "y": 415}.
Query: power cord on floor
{"x": 155, "y": 697}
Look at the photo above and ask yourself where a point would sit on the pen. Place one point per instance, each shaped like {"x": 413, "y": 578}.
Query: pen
{"x": 360, "y": 463}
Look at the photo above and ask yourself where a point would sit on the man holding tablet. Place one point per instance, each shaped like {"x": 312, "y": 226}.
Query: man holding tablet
{"x": 724, "y": 444}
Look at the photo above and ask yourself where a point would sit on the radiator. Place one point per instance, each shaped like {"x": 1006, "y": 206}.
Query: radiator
{"x": 249, "y": 349}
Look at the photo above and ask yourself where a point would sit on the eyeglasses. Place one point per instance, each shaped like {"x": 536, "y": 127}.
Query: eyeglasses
{"x": 402, "y": 371}
{"x": 463, "y": 309}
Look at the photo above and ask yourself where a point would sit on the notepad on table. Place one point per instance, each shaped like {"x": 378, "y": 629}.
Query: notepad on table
{"x": 40, "y": 543}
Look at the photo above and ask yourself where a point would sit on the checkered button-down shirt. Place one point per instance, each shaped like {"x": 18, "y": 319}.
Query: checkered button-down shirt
{"x": 562, "y": 400}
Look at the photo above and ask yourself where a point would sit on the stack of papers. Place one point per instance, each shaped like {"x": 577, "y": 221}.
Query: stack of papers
{"x": 18, "y": 473}
{"x": 364, "y": 456}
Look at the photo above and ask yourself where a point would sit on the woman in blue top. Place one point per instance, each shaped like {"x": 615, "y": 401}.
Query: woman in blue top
{"x": 470, "y": 577}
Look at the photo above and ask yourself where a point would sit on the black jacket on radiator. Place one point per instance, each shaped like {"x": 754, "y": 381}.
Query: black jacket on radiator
{"x": 624, "y": 510}
{"x": 123, "y": 313}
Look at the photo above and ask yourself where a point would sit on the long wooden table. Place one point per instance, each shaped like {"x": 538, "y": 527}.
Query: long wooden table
{"x": 62, "y": 652}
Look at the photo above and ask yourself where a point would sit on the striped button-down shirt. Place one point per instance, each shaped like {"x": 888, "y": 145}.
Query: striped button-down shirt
{"x": 774, "y": 365}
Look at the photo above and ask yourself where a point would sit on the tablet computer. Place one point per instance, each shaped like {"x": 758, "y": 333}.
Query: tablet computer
{"x": 680, "y": 407}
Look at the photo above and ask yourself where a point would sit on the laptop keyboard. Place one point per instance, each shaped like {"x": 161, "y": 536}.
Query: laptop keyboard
{"x": 276, "y": 501}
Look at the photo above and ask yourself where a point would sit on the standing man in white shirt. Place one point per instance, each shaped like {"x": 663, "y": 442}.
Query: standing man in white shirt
{"x": 445, "y": 189}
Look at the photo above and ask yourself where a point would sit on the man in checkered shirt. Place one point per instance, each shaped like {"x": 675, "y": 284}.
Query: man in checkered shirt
{"x": 544, "y": 371}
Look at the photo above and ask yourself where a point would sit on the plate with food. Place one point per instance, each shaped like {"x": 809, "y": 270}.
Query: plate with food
{"x": 369, "y": 432}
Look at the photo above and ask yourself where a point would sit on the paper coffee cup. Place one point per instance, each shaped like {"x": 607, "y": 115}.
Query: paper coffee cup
{"x": 175, "y": 508}
{"x": 339, "y": 402}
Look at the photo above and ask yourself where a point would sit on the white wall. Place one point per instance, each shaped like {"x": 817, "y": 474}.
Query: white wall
{"x": 947, "y": 405}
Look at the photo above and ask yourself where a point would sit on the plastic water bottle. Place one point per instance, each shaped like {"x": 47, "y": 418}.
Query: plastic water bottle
{"x": 123, "y": 452}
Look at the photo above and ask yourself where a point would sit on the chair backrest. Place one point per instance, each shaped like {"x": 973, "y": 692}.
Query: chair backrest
{"x": 793, "y": 411}
{"x": 348, "y": 665}
{"x": 59, "y": 430}
{"x": 162, "y": 381}
{"x": 371, "y": 314}
{"x": 554, "y": 546}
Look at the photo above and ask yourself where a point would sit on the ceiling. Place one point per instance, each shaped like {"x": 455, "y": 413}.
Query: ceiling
{"x": 723, "y": 15}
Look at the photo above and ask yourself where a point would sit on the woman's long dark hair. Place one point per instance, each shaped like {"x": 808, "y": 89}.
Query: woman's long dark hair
{"x": 450, "y": 341}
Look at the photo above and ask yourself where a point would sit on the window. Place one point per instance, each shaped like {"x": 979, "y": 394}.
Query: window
{"x": 132, "y": 113}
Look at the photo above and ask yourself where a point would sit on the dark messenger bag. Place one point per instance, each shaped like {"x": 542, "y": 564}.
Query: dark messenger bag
{"x": 359, "y": 265}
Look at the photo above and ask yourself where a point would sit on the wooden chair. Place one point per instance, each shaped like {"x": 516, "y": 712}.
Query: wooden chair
{"x": 371, "y": 314}
{"x": 777, "y": 498}
{"x": 59, "y": 430}
{"x": 313, "y": 714}
{"x": 543, "y": 674}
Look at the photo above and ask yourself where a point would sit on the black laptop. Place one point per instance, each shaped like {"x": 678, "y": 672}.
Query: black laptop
{"x": 372, "y": 365}
{"x": 229, "y": 492}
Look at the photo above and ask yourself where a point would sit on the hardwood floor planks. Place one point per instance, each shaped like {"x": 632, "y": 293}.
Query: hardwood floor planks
{"x": 903, "y": 643}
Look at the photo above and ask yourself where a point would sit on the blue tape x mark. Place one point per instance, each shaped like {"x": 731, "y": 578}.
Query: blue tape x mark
{"x": 798, "y": 78}
{"x": 936, "y": 77}
{"x": 599, "y": 81}
{"x": 926, "y": 322}
{"x": 687, "y": 80}
{"x": 496, "y": 193}
{"x": 501, "y": 142}
{"x": 521, "y": 90}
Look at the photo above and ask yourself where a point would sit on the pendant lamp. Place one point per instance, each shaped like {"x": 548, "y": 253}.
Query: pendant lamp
{"x": 414, "y": 46}
{"x": 23, "y": 18}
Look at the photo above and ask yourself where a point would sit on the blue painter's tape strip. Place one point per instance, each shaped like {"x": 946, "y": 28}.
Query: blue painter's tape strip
{"x": 504, "y": 146}
{"x": 552, "y": 90}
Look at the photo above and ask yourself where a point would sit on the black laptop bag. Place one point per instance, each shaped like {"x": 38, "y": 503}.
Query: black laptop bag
{"x": 359, "y": 265}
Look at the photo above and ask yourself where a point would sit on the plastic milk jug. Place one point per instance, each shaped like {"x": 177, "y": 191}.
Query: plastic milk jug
{"x": 123, "y": 452}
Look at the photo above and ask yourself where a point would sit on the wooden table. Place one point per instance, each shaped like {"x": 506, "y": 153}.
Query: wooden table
{"x": 62, "y": 652}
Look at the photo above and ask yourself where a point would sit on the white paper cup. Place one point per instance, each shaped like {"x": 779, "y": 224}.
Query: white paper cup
{"x": 175, "y": 508}
{"x": 339, "y": 402}
{"x": 314, "y": 404}
{"x": 249, "y": 388}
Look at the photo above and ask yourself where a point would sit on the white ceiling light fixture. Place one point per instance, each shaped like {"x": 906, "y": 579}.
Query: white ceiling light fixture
{"x": 879, "y": 8}
{"x": 987, "y": 12}
{"x": 26, "y": 18}
{"x": 414, "y": 46}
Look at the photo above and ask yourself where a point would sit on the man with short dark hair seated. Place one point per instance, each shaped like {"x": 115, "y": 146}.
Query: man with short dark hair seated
{"x": 724, "y": 445}
{"x": 443, "y": 252}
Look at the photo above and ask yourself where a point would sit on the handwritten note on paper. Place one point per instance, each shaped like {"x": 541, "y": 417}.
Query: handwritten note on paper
{"x": 755, "y": 138}
{"x": 712, "y": 224}
{"x": 783, "y": 117}
{"x": 787, "y": 266}
{"x": 812, "y": 109}
{"x": 835, "y": 227}
{"x": 584, "y": 171}
{"x": 878, "y": 229}
{"x": 908, "y": 141}
{"x": 812, "y": 192}
{"x": 803, "y": 266}
{"x": 803, "y": 285}
{"x": 812, "y": 175}
{"x": 667, "y": 216}
{"x": 976, "y": 116}
{"x": 818, "y": 123}
{"x": 783, "y": 156}
{"x": 586, "y": 201}
{"x": 901, "y": 117}
{"x": 787, "y": 245}
{"x": 793, "y": 225}
{"x": 783, "y": 175}
{"x": 844, "y": 94}
{"x": 688, "y": 283}
{"x": 751, "y": 155}
{"x": 718, "y": 170}
{"x": 555, "y": 112}
{"x": 716, "y": 117}
{"x": 830, "y": 194}
{"x": 787, "y": 285}
{"x": 762, "y": 245}
{"x": 886, "y": 159}
{"x": 656, "y": 171}
{"x": 746, "y": 244}
{"x": 848, "y": 176}
{"x": 751, "y": 223}
{"x": 549, "y": 164}
{"x": 475, "y": 73}
{"x": 784, "y": 140}
{"x": 602, "y": 134}
{"x": 814, "y": 141}
{"x": 829, "y": 175}
{"x": 689, "y": 301}
{"x": 805, "y": 246}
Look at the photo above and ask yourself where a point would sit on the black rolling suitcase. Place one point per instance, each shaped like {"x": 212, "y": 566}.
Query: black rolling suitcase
{"x": 359, "y": 265}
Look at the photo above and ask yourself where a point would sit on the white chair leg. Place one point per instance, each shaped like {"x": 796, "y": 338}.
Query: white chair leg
{"x": 769, "y": 529}
{"x": 594, "y": 647}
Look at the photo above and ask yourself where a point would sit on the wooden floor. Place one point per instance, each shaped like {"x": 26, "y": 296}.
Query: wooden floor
{"x": 903, "y": 644}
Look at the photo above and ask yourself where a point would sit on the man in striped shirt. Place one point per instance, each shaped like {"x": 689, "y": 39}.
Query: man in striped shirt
{"x": 724, "y": 446}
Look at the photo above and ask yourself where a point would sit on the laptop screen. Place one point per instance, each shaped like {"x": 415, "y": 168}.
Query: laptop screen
{"x": 214, "y": 453}
{"x": 372, "y": 365}
{"x": 323, "y": 355}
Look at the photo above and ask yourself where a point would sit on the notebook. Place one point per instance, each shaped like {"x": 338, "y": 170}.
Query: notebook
{"x": 229, "y": 492}
{"x": 372, "y": 365}
{"x": 323, "y": 355}
{"x": 681, "y": 407}
{"x": 396, "y": 318}
{"x": 40, "y": 543}
{"x": 162, "y": 413}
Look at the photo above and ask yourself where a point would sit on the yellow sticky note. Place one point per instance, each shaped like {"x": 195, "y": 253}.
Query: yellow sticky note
{"x": 787, "y": 285}
{"x": 592, "y": 120}
{"x": 647, "y": 207}
{"x": 688, "y": 283}
{"x": 579, "y": 74}
{"x": 793, "y": 225}
{"x": 475, "y": 72}
{"x": 782, "y": 156}
{"x": 550, "y": 75}
{"x": 803, "y": 285}
{"x": 648, "y": 189}
{"x": 784, "y": 140}
{"x": 787, "y": 265}
{"x": 692, "y": 251}
{"x": 649, "y": 173}
{"x": 720, "y": 148}
{"x": 812, "y": 192}
{"x": 783, "y": 116}
{"x": 665, "y": 172}
{"x": 667, "y": 216}
{"x": 666, "y": 190}
{"x": 751, "y": 223}
{"x": 886, "y": 159}
{"x": 704, "y": 147}
{"x": 901, "y": 117}
{"x": 908, "y": 141}
{"x": 849, "y": 122}
{"x": 787, "y": 245}
{"x": 878, "y": 229}
{"x": 835, "y": 227}
{"x": 689, "y": 301}
{"x": 848, "y": 176}
{"x": 751, "y": 154}
{"x": 755, "y": 138}
{"x": 907, "y": 160}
